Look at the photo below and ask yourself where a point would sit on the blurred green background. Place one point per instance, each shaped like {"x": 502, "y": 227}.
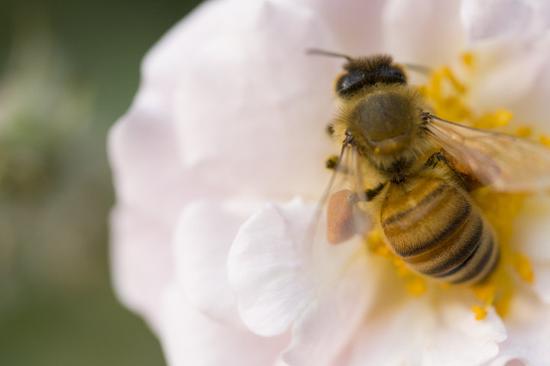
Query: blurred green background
{"x": 68, "y": 70}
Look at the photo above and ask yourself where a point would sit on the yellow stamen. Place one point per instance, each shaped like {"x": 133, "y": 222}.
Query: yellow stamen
{"x": 498, "y": 118}
{"x": 416, "y": 286}
{"x": 468, "y": 60}
{"x": 485, "y": 292}
{"x": 545, "y": 140}
{"x": 456, "y": 84}
{"x": 479, "y": 312}
{"x": 523, "y": 267}
{"x": 524, "y": 131}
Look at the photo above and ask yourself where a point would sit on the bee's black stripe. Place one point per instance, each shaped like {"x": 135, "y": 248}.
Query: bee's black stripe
{"x": 460, "y": 260}
{"x": 458, "y": 220}
{"x": 480, "y": 266}
{"x": 429, "y": 198}
{"x": 437, "y": 230}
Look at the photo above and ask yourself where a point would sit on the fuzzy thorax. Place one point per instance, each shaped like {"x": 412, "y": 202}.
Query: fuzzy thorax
{"x": 385, "y": 123}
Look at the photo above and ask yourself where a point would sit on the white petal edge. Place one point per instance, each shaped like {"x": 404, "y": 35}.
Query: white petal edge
{"x": 204, "y": 236}
{"x": 190, "y": 338}
{"x": 528, "y": 325}
{"x": 140, "y": 260}
{"x": 268, "y": 270}
{"x": 322, "y": 334}
{"x": 319, "y": 292}
{"x": 417, "y": 332}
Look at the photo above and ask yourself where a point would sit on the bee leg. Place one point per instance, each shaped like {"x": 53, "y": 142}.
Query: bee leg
{"x": 434, "y": 159}
{"x": 330, "y": 129}
{"x": 467, "y": 181}
{"x": 332, "y": 162}
{"x": 371, "y": 194}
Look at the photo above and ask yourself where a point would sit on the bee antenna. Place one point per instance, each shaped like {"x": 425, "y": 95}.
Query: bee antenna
{"x": 319, "y": 52}
{"x": 418, "y": 68}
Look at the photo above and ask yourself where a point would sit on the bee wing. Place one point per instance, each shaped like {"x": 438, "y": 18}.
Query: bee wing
{"x": 340, "y": 208}
{"x": 505, "y": 162}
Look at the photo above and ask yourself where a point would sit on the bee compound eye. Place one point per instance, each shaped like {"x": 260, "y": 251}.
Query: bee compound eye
{"x": 350, "y": 82}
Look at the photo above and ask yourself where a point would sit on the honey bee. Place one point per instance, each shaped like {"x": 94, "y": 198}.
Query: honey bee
{"x": 411, "y": 172}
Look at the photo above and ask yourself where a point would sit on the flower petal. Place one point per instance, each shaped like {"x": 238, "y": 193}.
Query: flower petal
{"x": 528, "y": 333}
{"x": 531, "y": 233}
{"x": 204, "y": 235}
{"x": 321, "y": 291}
{"x": 417, "y": 332}
{"x": 190, "y": 338}
{"x": 252, "y": 106}
{"x": 507, "y": 74}
{"x": 504, "y": 18}
{"x": 140, "y": 273}
{"x": 542, "y": 280}
{"x": 423, "y": 32}
{"x": 144, "y": 155}
{"x": 267, "y": 269}
{"x": 326, "y": 328}
{"x": 531, "y": 230}
{"x": 356, "y": 25}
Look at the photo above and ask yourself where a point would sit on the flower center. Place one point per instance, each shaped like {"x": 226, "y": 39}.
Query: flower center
{"x": 448, "y": 96}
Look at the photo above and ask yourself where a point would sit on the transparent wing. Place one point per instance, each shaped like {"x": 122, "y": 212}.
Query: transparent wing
{"x": 341, "y": 212}
{"x": 505, "y": 162}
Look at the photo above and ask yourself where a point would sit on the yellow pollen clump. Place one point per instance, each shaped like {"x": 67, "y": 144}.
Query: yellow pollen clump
{"x": 524, "y": 268}
{"x": 416, "y": 286}
{"x": 524, "y": 131}
{"x": 448, "y": 96}
{"x": 479, "y": 312}
{"x": 468, "y": 60}
{"x": 456, "y": 84}
{"x": 498, "y": 118}
{"x": 376, "y": 244}
{"x": 545, "y": 140}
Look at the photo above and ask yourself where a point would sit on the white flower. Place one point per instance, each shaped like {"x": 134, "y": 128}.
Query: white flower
{"x": 228, "y": 127}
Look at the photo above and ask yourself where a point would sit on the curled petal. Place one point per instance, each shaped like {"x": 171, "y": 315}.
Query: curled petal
{"x": 269, "y": 273}
{"x": 282, "y": 285}
{"x": 204, "y": 236}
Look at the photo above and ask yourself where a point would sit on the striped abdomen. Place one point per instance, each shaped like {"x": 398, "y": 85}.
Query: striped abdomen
{"x": 437, "y": 230}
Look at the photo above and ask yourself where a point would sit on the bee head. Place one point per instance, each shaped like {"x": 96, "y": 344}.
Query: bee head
{"x": 361, "y": 73}
{"x": 378, "y": 108}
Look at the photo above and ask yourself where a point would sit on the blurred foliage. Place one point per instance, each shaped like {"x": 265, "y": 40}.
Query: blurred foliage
{"x": 68, "y": 70}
